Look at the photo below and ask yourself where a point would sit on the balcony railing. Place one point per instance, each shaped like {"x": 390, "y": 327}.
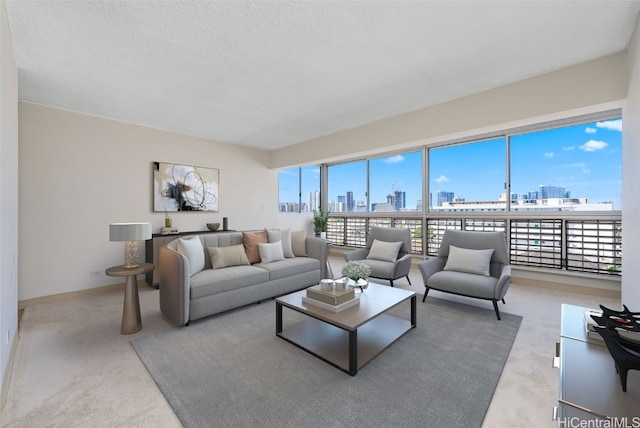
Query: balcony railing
{"x": 586, "y": 244}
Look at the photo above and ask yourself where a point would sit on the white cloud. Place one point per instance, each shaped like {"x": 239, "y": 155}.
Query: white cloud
{"x": 549, "y": 155}
{"x": 568, "y": 148}
{"x": 593, "y": 145}
{"x": 590, "y": 130}
{"x": 611, "y": 125}
{"x": 580, "y": 165}
{"x": 442, "y": 179}
{"x": 395, "y": 159}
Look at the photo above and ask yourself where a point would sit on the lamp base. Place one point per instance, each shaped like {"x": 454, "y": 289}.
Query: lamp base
{"x": 131, "y": 254}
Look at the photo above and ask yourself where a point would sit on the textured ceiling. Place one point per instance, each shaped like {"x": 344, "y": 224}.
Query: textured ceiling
{"x": 268, "y": 74}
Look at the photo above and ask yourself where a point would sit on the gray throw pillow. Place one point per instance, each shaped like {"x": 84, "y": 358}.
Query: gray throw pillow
{"x": 469, "y": 261}
{"x": 284, "y": 236}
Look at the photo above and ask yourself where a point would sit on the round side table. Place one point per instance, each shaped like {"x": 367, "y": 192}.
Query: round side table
{"x": 131, "y": 320}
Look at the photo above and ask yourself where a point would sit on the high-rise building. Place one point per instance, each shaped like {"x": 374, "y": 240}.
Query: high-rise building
{"x": 351, "y": 203}
{"x": 397, "y": 200}
{"x": 313, "y": 200}
{"x": 548, "y": 192}
{"x": 444, "y": 197}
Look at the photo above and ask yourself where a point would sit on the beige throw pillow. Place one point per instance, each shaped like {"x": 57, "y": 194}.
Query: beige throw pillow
{"x": 299, "y": 243}
{"x": 469, "y": 261}
{"x": 385, "y": 251}
{"x": 233, "y": 255}
{"x": 251, "y": 240}
{"x": 270, "y": 253}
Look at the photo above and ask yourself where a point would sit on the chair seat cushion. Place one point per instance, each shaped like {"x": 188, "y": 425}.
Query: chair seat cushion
{"x": 379, "y": 268}
{"x": 468, "y": 284}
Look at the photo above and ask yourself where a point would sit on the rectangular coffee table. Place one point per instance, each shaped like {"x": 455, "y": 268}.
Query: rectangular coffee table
{"x": 351, "y": 338}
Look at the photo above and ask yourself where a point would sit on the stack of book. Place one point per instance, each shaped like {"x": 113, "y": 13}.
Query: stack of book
{"x": 332, "y": 297}
{"x": 169, "y": 230}
{"x": 592, "y": 335}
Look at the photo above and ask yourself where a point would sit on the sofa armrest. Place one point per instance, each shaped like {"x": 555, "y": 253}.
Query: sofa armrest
{"x": 503, "y": 282}
{"x": 431, "y": 266}
{"x": 174, "y": 286}
{"x": 403, "y": 266}
{"x": 359, "y": 254}
{"x": 316, "y": 248}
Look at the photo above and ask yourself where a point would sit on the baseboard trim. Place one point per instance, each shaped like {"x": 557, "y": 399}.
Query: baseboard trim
{"x": 72, "y": 295}
{"x": 4, "y": 391}
{"x": 560, "y": 286}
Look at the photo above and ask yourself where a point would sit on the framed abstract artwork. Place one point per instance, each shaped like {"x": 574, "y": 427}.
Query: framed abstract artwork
{"x": 184, "y": 188}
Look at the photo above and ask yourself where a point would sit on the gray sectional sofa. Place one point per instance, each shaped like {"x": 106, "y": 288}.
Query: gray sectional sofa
{"x": 189, "y": 292}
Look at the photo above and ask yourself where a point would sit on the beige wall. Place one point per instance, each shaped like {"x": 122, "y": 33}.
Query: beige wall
{"x": 78, "y": 173}
{"x": 584, "y": 88}
{"x": 630, "y": 180}
{"x": 8, "y": 200}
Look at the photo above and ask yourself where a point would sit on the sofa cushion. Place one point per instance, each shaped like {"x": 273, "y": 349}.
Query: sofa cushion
{"x": 192, "y": 249}
{"x": 250, "y": 241}
{"x": 270, "y": 253}
{"x": 289, "y": 267}
{"x": 299, "y": 243}
{"x": 233, "y": 255}
{"x": 284, "y": 236}
{"x": 470, "y": 261}
{"x": 384, "y": 251}
{"x": 210, "y": 281}
{"x": 379, "y": 268}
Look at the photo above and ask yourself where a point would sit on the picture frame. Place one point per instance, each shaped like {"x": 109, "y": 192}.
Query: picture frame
{"x": 185, "y": 188}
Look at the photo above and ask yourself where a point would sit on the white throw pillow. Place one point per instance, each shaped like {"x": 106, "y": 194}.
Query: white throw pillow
{"x": 385, "y": 251}
{"x": 469, "y": 261}
{"x": 270, "y": 252}
{"x": 274, "y": 235}
{"x": 192, "y": 249}
{"x": 299, "y": 243}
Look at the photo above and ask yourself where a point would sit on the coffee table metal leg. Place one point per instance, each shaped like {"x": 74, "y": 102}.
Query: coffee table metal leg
{"x": 278, "y": 318}
{"x": 353, "y": 352}
{"x": 413, "y": 311}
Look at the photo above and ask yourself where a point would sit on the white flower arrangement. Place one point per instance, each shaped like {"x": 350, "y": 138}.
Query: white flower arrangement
{"x": 355, "y": 270}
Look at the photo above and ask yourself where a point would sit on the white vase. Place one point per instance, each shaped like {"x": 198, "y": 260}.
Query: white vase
{"x": 323, "y": 235}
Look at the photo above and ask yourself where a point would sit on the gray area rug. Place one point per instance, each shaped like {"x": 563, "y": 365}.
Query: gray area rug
{"x": 231, "y": 370}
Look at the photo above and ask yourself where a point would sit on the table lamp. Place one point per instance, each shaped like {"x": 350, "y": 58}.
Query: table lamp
{"x": 130, "y": 233}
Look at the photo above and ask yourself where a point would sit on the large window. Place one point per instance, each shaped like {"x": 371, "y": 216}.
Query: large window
{"x": 299, "y": 189}
{"x": 468, "y": 177}
{"x": 387, "y": 184}
{"x": 348, "y": 187}
{"x": 574, "y": 168}
{"x": 395, "y": 183}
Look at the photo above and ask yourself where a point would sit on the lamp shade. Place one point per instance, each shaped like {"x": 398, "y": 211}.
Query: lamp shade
{"x": 129, "y": 231}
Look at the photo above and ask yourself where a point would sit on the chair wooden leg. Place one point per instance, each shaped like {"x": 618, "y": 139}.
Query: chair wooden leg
{"x": 426, "y": 291}
{"x": 495, "y": 306}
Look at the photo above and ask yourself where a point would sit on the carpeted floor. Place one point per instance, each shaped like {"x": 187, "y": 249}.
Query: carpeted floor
{"x": 231, "y": 370}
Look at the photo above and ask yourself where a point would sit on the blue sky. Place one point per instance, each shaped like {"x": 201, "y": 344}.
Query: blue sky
{"x": 585, "y": 159}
